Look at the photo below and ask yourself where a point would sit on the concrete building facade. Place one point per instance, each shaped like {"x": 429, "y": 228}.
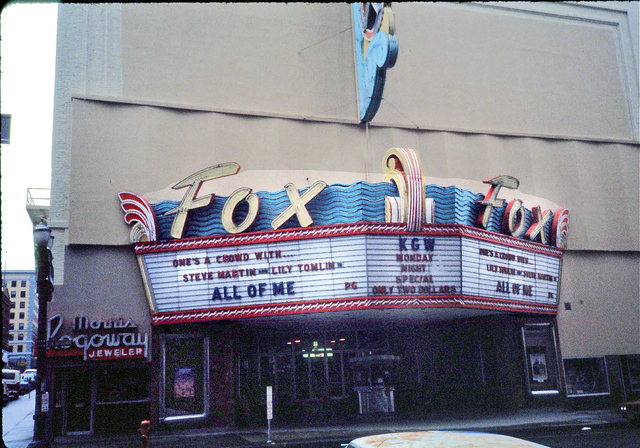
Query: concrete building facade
{"x": 148, "y": 95}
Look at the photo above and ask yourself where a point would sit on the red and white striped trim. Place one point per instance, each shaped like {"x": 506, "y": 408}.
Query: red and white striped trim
{"x": 404, "y": 166}
{"x": 560, "y": 228}
{"x": 138, "y": 210}
{"x": 342, "y": 230}
{"x": 361, "y": 303}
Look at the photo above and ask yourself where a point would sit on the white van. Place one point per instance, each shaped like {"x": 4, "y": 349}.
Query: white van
{"x": 31, "y": 375}
{"x": 11, "y": 378}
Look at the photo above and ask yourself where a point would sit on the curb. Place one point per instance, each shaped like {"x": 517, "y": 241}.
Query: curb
{"x": 336, "y": 435}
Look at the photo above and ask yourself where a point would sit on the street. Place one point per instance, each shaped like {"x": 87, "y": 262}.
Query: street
{"x": 619, "y": 435}
{"x": 17, "y": 432}
{"x": 17, "y": 421}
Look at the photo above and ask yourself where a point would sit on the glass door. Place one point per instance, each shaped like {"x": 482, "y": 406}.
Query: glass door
{"x": 79, "y": 403}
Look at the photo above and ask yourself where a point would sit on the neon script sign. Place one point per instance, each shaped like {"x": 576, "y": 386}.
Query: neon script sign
{"x": 98, "y": 339}
{"x": 514, "y": 216}
{"x": 411, "y": 206}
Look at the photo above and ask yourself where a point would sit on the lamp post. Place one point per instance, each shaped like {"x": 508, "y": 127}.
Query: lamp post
{"x": 43, "y": 241}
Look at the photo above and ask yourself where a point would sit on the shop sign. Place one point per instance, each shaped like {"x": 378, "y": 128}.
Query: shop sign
{"x": 122, "y": 352}
{"x": 97, "y": 339}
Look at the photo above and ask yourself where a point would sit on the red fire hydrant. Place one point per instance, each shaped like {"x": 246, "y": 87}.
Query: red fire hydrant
{"x": 145, "y": 430}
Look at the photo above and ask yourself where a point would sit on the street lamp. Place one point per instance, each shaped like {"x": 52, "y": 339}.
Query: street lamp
{"x": 43, "y": 241}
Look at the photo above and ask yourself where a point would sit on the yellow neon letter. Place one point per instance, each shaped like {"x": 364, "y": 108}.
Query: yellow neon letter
{"x": 231, "y": 204}
{"x": 298, "y": 203}
{"x": 514, "y": 218}
{"x": 189, "y": 200}
{"x": 491, "y": 199}
{"x": 539, "y": 221}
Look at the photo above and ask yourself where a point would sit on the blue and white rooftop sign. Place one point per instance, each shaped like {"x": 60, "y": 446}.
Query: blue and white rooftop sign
{"x": 376, "y": 48}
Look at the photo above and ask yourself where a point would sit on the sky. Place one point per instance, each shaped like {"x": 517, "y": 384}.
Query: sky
{"x": 27, "y": 64}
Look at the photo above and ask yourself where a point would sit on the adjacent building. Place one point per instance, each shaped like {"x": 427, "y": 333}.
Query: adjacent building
{"x": 23, "y": 318}
{"x": 6, "y": 307}
{"x": 238, "y": 208}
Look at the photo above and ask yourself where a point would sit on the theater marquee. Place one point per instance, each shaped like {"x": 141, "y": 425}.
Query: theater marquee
{"x": 414, "y": 257}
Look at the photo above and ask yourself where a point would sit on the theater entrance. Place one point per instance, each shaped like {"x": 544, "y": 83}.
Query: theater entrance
{"x": 401, "y": 370}
{"x": 311, "y": 373}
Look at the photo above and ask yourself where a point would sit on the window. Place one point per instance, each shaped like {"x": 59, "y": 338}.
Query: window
{"x": 20, "y": 348}
{"x": 540, "y": 358}
{"x": 586, "y": 376}
{"x": 14, "y": 284}
{"x": 23, "y": 305}
{"x": 23, "y": 294}
{"x": 122, "y": 385}
{"x": 21, "y": 316}
{"x": 20, "y": 326}
{"x": 13, "y": 294}
{"x": 11, "y": 326}
{"x": 20, "y": 336}
{"x": 12, "y": 315}
{"x": 631, "y": 371}
{"x": 13, "y": 305}
{"x": 11, "y": 337}
{"x": 184, "y": 393}
{"x": 23, "y": 283}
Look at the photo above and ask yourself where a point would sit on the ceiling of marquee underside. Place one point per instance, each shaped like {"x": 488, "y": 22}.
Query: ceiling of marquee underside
{"x": 347, "y": 320}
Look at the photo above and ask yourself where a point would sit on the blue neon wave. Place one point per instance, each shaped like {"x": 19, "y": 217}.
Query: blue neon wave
{"x": 336, "y": 204}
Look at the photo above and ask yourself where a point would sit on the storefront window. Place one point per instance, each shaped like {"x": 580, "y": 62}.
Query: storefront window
{"x": 540, "y": 358}
{"x": 631, "y": 372}
{"x": 185, "y": 377}
{"x": 301, "y": 376}
{"x": 586, "y": 376}
{"x": 307, "y": 365}
{"x": 336, "y": 375}
{"x": 123, "y": 385}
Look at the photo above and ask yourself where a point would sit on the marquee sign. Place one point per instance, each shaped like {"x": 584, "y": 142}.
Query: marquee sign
{"x": 448, "y": 264}
{"x": 490, "y": 255}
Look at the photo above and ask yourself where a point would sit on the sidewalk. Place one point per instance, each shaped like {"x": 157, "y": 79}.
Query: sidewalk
{"x": 227, "y": 438}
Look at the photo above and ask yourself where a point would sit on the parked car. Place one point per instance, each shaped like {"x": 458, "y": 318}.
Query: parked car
{"x": 11, "y": 378}
{"x": 31, "y": 375}
{"x": 441, "y": 439}
{"x": 630, "y": 410}
{"x": 25, "y": 385}
{"x": 5, "y": 394}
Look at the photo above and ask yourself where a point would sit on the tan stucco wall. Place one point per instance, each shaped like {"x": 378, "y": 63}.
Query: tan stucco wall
{"x": 604, "y": 293}
{"x": 460, "y": 66}
{"x": 101, "y": 284}
{"x": 146, "y": 149}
